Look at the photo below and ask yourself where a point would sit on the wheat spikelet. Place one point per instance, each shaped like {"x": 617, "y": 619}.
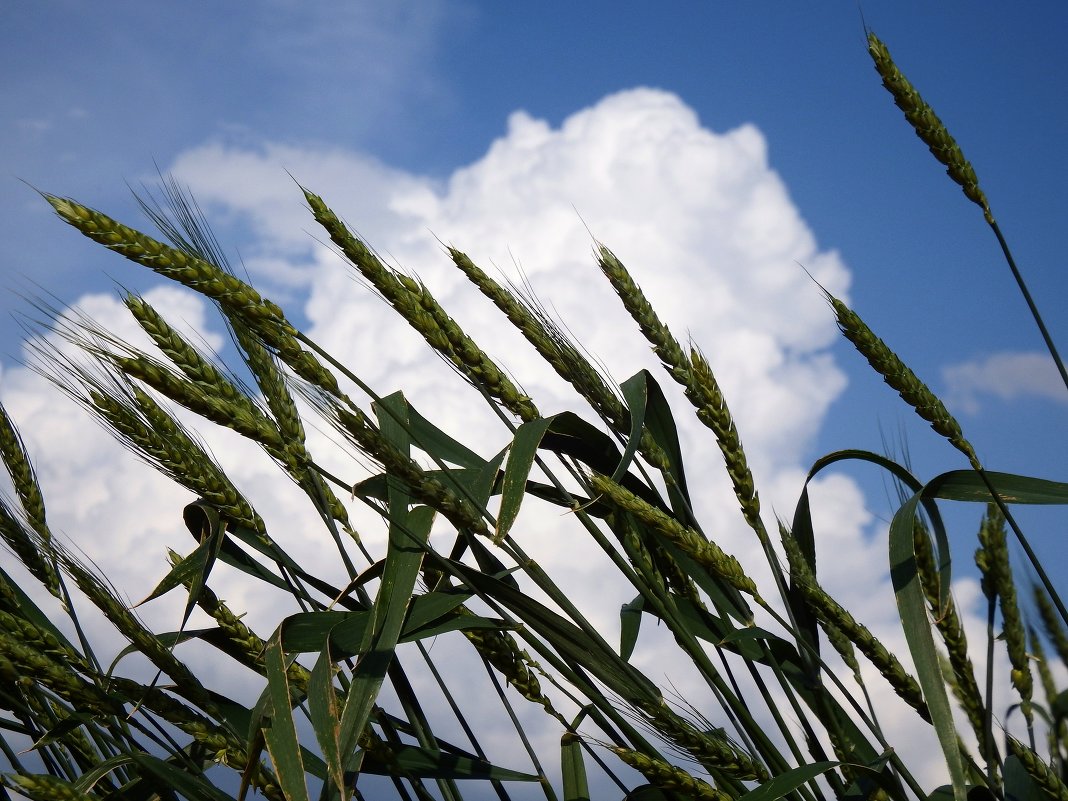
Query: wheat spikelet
{"x": 894, "y": 372}
{"x": 828, "y": 610}
{"x": 1051, "y": 622}
{"x": 271, "y": 383}
{"x": 45, "y": 787}
{"x": 23, "y": 476}
{"x": 247, "y": 646}
{"x": 697, "y": 379}
{"x": 705, "y": 553}
{"x": 949, "y": 625}
{"x": 993, "y": 560}
{"x": 713, "y": 412}
{"x": 1045, "y": 675}
{"x": 1043, "y": 775}
{"x": 927, "y": 125}
{"x": 562, "y": 355}
{"x": 181, "y": 353}
{"x": 511, "y": 661}
{"x": 23, "y": 664}
{"x": 151, "y": 432}
{"x": 414, "y": 302}
{"x": 226, "y": 747}
{"x": 195, "y": 273}
{"x": 667, "y": 776}
{"x": 467, "y": 356}
{"x": 127, "y": 624}
{"x": 238, "y": 412}
{"x": 29, "y": 548}
{"x": 713, "y": 751}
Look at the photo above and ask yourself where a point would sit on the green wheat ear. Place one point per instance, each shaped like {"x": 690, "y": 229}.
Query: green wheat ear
{"x": 927, "y": 125}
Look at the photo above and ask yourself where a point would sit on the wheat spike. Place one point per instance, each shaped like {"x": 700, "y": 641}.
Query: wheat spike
{"x": 992, "y": 559}
{"x": 927, "y": 125}
{"x": 705, "y": 553}
{"x": 894, "y": 372}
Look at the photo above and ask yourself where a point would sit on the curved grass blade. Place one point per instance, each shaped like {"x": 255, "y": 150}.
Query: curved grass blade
{"x": 912, "y": 610}
{"x": 408, "y": 533}
{"x": 573, "y": 769}
{"x": 636, "y": 393}
{"x": 325, "y": 714}
{"x": 195, "y": 788}
{"x": 521, "y": 455}
{"x": 785, "y": 783}
{"x": 660, "y": 423}
{"x": 280, "y": 732}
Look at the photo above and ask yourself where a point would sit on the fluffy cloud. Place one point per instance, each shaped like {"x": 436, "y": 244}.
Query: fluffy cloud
{"x": 702, "y": 220}
{"x": 1006, "y": 376}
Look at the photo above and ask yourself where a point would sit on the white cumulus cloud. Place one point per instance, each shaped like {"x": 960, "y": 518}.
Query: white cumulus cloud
{"x": 1006, "y": 376}
{"x": 702, "y": 220}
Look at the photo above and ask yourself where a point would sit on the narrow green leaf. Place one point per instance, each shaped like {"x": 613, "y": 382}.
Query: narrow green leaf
{"x": 660, "y": 423}
{"x": 630, "y": 622}
{"x": 573, "y": 769}
{"x": 280, "y": 733}
{"x": 436, "y": 442}
{"x": 785, "y": 783}
{"x": 195, "y": 788}
{"x": 325, "y": 714}
{"x": 421, "y": 763}
{"x": 520, "y": 461}
{"x": 912, "y": 609}
{"x": 408, "y": 533}
{"x": 636, "y": 394}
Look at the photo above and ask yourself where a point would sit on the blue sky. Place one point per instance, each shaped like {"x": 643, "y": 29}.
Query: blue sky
{"x": 94, "y": 97}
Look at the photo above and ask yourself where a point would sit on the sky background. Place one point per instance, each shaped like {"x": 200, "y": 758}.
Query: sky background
{"x": 714, "y": 146}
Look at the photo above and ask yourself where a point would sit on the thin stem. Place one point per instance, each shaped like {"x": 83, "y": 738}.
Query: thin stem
{"x": 1030, "y": 304}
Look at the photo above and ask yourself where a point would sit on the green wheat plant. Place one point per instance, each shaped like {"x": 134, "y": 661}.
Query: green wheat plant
{"x": 355, "y": 682}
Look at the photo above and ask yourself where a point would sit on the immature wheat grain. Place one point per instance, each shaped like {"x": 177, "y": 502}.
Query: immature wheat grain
{"x": 235, "y": 412}
{"x": 502, "y": 651}
{"x": 414, "y": 302}
{"x": 714, "y": 752}
{"x": 151, "y": 432}
{"x": 949, "y": 625}
{"x": 29, "y": 548}
{"x": 181, "y": 353}
{"x": 23, "y": 476}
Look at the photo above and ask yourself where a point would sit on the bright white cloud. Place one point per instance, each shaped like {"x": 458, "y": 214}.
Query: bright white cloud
{"x": 1006, "y": 376}
{"x": 702, "y": 220}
